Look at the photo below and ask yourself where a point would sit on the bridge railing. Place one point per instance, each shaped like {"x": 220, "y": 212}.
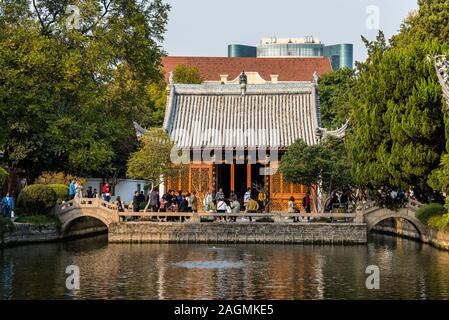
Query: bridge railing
{"x": 275, "y": 216}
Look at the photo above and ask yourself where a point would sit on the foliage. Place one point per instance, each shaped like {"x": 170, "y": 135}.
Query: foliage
{"x": 158, "y": 97}
{"x": 68, "y": 97}
{"x": 58, "y": 178}
{"x": 325, "y": 165}
{"x": 154, "y": 158}
{"x": 430, "y": 21}
{"x": 3, "y": 176}
{"x": 397, "y": 120}
{"x": 61, "y": 190}
{"x": 189, "y": 75}
{"x": 439, "y": 222}
{"x": 431, "y": 210}
{"x": 36, "y": 199}
{"x": 335, "y": 89}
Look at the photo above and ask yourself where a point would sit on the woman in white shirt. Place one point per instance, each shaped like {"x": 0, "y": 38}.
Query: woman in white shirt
{"x": 79, "y": 189}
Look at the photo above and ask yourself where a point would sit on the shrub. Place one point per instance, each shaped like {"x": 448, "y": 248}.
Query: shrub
{"x": 431, "y": 210}
{"x": 61, "y": 190}
{"x": 439, "y": 222}
{"x": 37, "y": 199}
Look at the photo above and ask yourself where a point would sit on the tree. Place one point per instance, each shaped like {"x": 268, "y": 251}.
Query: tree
{"x": 397, "y": 122}
{"x": 335, "y": 89}
{"x": 324, "y": 166}
{"x": 189, "y": 75}
{"x": 429, "y": 22}
{"x": 3, "y": 177}
{"x": 156, "y": 157}
{"x": 69, "y": 96}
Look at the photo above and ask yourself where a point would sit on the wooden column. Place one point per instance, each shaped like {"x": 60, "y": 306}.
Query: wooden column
{"x": 232, "y": 177}
{"x": 248, "y": 175}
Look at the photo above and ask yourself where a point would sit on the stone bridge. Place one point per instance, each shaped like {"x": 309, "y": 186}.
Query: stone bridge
{"x": 372, "y": 215}
{"x": 108, "y": 213}
{"x": 77, "y": 208}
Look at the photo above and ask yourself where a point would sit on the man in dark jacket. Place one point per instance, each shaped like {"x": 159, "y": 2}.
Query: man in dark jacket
{"x": 136, "y": 202}
{"x": 306, "y": 202}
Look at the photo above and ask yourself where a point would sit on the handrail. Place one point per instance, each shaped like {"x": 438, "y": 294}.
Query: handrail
{"x": 241, "y": 214}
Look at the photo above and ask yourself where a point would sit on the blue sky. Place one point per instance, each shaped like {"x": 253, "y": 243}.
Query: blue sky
{"x": 206, "y": 27}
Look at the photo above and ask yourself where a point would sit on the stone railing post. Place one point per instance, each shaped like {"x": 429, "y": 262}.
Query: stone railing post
{"x": 277, "y": 218}
{"x": 115, "y": 217}
{"x": 195, "y": 218}
{"x": 359, "y": 214}
{"x": 97, "y": 200}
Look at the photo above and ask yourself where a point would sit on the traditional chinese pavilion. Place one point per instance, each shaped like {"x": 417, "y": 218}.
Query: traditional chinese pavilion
{"x": 236, "y": 138}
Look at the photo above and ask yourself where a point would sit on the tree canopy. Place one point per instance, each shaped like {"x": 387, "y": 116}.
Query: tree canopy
{"x": 325, "y": 165}
{"x": 189, "y": 75}
{"x": 155, "y": 158}
{"x": 397, "y": 120}
{"x": 69, "y": 96}
{"x": 335, "y": 89}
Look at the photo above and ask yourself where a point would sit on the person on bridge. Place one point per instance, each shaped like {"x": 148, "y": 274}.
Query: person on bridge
{"x": 72, "y": 189}
{"x": 105, "y": 192}
{"x": 78, "y": 189}
{"x": 119, "y": 204}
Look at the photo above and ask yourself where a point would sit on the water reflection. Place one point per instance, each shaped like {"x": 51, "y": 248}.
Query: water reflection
{"x": 409, "y": 270}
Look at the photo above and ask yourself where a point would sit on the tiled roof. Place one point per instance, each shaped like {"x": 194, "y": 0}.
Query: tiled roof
{"x": 288, "y": 69}
{"x": 215, "y": 115}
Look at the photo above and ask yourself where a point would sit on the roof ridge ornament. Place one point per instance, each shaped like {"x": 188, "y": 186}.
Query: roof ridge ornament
{"x": 315, "y": 78}
{"x": 441, "y": 68}
{"x": 171, "y": 79}
{"x": 339, "y": 133}
{"x": 243, "y": 81}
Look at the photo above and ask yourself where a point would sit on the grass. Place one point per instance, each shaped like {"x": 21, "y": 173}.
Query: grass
{"x": 38, "y": 220}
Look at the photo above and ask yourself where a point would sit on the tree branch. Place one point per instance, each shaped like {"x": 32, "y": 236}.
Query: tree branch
{"x": 106, "y": 11}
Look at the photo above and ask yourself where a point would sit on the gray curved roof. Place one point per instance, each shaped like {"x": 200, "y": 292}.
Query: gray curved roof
{"x": 218, "y": 116}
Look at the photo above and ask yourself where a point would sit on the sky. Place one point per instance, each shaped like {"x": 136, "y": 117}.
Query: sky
{"x": 206, "y": 27}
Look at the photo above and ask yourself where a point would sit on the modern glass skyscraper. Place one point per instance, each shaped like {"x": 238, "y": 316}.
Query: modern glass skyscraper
{"x": 241, "y": 51}
{"x": 341, "y": 55}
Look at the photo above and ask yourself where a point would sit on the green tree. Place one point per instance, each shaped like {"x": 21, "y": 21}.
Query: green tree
{"x": 3, "y": 176}
{"x": 325, "y": 166}
{"x": 429, "y": 22}
{"x": 398, "y": 131}
{"x": 335, "y": 89}
{"x": 157, "y": 157}
{"x": 69, "y": 96}
{"x": 189, "y": 75}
